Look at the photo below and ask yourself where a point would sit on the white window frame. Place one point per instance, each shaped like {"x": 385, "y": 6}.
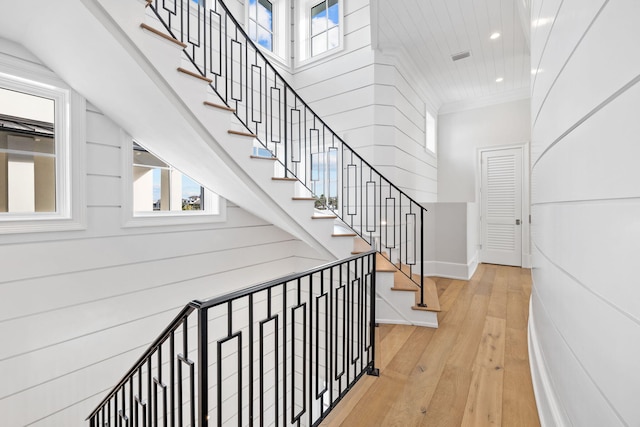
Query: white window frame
{"x": 70, "y": 141}
{"x": 303, "y": 40}
{"x": 215, "y": 206}
{"x": 280, "y": 31}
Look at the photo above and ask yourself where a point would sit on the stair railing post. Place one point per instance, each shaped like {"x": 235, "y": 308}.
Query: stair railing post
{"x": 203, "y": 366}
{"x": 286, "y": 133}
{"x": 372, "y": 320}
{"x": 422, "y": 304}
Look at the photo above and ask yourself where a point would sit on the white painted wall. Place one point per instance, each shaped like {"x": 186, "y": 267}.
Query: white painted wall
{"x": 451, "y": 240}
{"x": 585, "y": 311}
{"x": 77, "y": 308}
{"x": 462, "y": 133}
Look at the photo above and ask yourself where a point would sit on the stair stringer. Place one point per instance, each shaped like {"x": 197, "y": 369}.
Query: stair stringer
{"x": 132, "y": 78}
{"x": 394, "y": 307}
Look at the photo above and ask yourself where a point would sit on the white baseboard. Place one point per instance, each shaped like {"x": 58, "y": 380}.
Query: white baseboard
{"x": 452, "y": 270}
{"x": 546, "y": 399}
{"x": 392, "y": 321}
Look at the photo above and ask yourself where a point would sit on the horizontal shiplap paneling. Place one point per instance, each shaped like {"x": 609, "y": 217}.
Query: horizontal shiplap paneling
{"x": 568, "y": 29}
{"x": 77, "y": 308}
{"x": 585, "y": 205}
{"x": 587, "y": 79}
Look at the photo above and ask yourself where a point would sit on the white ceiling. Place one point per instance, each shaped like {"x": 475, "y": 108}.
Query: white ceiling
{"x": 428, "y": 32}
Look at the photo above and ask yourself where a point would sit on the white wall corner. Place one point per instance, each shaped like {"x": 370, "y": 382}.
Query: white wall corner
{"x": 472, "y": 266}
{"x": 549, "y": 409}
{"x": 452, "y": 270}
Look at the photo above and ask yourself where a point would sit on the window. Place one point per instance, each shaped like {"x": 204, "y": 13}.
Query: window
{"x": 261, "y": 23}
{"x": 157, "y": 194}
{"x": 320, "y": 30}
{"x": 325, "y": 30}
{"x": 41, "y": 150}
{"x": 267, "y": 27}
{"x": 158, "y": 186}
{"x": 430, "y": 132}
{"x": 27, "y": 153}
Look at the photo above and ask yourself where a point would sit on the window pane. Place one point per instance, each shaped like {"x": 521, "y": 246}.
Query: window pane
{"x": 27, "y": 153}
{"x": 333, "y": 38}
{"x": 159, "y": 187}
{"x": 191, "y": 195}
{"x": 261, "y": 23}
{"x": 265, "y": 15}
{"x": 253, "y": 30}
{"x": 319, "y": 44}
{"x": 318, "y": 19}
{"x": 334, "y": 17}
{"x": 264, "y": 38}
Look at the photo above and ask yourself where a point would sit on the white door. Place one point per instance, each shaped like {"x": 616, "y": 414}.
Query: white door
{"x": 501, "y": 199}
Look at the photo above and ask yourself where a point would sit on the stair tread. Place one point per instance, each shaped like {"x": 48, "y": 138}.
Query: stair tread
{"x": 303, "y": 198}
{"x": 343, "y": 235}
{"x": 263, "y": 157}
{"x": 163, "y": 35}
{"x": 430, "y": 291}
{"x": 282, "y": 178}
{"x": 383, "y": 264}
{"x": 240, "y": 133}
{"x": 196, "y": 75}
{"x": 324, "y": 217}
{"x": 220, "y": 106}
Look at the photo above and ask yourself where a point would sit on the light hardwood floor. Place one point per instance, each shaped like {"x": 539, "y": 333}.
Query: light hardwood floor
{"x": 471, "y": 371}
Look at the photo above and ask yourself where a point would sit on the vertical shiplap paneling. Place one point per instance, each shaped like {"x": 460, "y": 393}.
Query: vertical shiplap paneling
{"x": 585, "y": 202}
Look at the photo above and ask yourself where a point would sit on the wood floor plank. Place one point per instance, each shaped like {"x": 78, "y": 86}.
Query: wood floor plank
{"x": 449, "y": 398}
{"x": 450, "y": 294}
{"x": 410, "y": 406}
{"x": 384, "y": 330}
{"x": 484, "y": 402}
{"x": 518, "y": 402}
{"x": 381, "y": 395}
{"x": 517, "y": 310}
{"x": 442, "y": 283}
{"x": 498, "y": 304}
{"x": 392, "y": 343}
{"x": 444, "y": 377}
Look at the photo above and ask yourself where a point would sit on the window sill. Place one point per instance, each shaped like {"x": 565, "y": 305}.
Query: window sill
{"x": 34, "y": 223}
{"x": 314, "y": 60}
{"x": 158, "y": 219}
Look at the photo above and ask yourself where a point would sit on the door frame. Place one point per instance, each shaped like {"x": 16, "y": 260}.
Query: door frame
{"x": 525, "y": 260}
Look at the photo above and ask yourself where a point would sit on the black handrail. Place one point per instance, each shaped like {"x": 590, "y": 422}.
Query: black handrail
{"x": 315, "y": 331}
{"x": 305, "y": 146}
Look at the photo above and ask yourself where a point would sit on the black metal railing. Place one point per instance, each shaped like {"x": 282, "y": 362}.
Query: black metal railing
{"x": 338, "y": 177}
{"x": 280, "y": 353}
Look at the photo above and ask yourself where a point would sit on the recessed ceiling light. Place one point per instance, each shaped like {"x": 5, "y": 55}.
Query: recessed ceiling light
{"x": 494, "y": 36}
{"x": 499, "y": 79}
{"x": 535, "y": 71}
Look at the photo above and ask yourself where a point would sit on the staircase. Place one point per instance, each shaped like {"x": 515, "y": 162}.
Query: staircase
{"x": 164, "y": 87}
{"x": 248, "y": 131}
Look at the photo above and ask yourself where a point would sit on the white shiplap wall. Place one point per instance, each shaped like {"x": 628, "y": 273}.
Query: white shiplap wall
{"x": 372, "y": 105}
{"x": 585, "y": 314}
{"x": 78, "y": 307}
